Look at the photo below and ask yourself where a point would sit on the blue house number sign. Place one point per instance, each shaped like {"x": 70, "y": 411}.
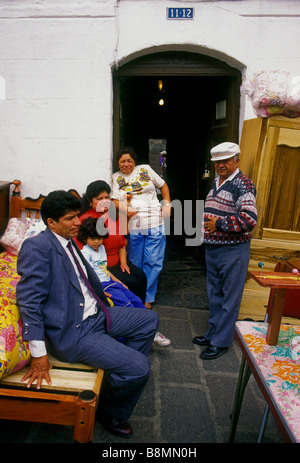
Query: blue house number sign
{"x": 180, "y": 13}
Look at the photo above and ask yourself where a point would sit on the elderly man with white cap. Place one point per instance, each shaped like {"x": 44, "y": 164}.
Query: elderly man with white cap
{"x": 229, "y": 216}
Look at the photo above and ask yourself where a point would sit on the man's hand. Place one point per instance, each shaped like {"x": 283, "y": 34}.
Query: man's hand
{"x": 210, "y": 225}
{"x": 39, "y": 369}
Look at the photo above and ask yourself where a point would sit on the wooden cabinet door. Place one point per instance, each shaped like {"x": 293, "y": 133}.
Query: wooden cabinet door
{"x": 278, "y": 181}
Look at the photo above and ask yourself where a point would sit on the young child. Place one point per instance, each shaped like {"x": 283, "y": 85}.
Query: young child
{"x": 92, "y": 236}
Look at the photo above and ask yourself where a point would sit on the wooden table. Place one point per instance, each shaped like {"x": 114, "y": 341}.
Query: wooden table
{"x": 293, "y": 264}
{"x": 280, "y": 282}
{"x": 276, "y": 372}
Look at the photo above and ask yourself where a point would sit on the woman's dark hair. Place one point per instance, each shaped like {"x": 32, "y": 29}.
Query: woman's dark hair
{"x": 92, "y": 191}
{"x": 126, "y": 150}
{"x": 57, "y": 204}
{"x": 92, "y": 228}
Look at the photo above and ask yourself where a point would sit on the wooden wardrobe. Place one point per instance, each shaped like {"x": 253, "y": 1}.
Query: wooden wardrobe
{"x": 270, "y": 156}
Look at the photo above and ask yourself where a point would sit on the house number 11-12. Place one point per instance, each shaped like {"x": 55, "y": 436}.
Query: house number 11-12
{"x": 180, "y": 13}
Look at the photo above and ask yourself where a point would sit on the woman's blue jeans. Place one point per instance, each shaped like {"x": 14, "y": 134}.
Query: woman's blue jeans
{"x": 146, "y": 250}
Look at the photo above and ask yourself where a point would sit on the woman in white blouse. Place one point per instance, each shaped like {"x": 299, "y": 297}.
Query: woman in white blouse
{"x": 134, "y": 192}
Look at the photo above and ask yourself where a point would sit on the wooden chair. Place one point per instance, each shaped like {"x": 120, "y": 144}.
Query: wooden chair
{"x": 71, "y": 399}
{"x": 30, "y": 206}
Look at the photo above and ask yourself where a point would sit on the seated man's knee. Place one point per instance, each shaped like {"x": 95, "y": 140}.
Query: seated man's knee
{"x": 142, "y": 369}
{"x": 153, "y": 318}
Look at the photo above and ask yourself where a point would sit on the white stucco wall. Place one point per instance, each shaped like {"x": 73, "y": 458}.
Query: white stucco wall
{"x": 56, "y": 58}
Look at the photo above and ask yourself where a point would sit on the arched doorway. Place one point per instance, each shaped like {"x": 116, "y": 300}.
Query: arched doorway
{"x": 201, "y": 97}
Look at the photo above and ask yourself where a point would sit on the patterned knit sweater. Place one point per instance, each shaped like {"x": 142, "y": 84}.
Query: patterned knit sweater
{"x": 234, "y": 203}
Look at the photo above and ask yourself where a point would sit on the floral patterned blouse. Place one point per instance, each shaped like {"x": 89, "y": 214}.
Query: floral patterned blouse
{"x": 141, "y": 183}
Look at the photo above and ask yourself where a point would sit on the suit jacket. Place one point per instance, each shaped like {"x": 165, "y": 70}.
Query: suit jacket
{"x": 48, "y": 293}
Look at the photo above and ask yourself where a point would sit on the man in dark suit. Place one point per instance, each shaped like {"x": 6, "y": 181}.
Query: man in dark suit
{"x": 56, "y": 304}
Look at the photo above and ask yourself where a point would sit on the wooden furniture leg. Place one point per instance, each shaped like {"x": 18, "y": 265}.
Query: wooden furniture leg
{"x": 85, "y": 416}
{"x": 275, "y": 316}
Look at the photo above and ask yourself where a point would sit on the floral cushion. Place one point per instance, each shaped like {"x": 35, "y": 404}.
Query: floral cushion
{"x": 14, "y": 352}
{"x": 14, "y": 235}
{"x": 35, "y": 226}
{"x": 17, "y": 230}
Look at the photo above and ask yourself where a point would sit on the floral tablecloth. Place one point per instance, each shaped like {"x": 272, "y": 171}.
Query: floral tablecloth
{"x": 279, "y": 366}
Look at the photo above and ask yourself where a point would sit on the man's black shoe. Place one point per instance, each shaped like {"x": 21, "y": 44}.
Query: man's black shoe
{"x": 213, "y": 352}
{"x": 201, "y": 341}
{"x": 114, "y": 425}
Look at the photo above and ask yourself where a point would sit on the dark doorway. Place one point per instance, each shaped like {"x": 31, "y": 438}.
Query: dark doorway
{"x": 200, "y": 109}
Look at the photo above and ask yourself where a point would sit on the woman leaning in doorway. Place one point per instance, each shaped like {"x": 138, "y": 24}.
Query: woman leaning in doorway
{"x": 134, "y": 193}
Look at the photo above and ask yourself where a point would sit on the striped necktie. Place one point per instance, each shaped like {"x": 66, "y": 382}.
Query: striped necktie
{"x": 90, "y": 287}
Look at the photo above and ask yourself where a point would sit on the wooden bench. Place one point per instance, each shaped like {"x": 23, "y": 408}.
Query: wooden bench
{"x": 71, "y": 399}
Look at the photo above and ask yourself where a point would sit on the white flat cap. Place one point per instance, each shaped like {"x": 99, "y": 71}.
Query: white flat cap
{"x": 224, "y": 151}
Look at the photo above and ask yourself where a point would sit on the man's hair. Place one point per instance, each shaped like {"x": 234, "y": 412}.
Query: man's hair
{"x": 57, "y": 204}
{"x": 92, "y": 228}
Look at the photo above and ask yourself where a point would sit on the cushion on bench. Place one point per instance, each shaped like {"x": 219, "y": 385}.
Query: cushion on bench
{"x": 14, "y": 351}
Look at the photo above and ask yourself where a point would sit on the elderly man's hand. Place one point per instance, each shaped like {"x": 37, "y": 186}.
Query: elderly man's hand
{"x": 210, "y": 225}
{"x": 39, "y": 369}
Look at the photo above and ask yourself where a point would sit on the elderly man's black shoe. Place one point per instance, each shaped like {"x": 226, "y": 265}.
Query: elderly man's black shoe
{"x": 213, "y": 352}
{"x": 201, "y": 341}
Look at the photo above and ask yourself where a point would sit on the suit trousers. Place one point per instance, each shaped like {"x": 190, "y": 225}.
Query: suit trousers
{"x": 226, "y": 271}
{"x": 127, "y": 364}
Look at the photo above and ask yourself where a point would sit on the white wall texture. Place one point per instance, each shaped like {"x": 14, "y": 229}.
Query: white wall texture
{"x": 57, "y": 57}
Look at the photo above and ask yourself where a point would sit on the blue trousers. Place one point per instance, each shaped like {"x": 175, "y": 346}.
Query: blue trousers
{"x": 120, "y": 295}
{"x": 226, "y": 271}
{"x": 146, "y": 250}
{"x": 127, "y": 364}
{"x": 135, "y": 280}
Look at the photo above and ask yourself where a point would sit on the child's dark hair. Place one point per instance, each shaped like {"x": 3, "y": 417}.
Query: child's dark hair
{"x": 92, "y": 228}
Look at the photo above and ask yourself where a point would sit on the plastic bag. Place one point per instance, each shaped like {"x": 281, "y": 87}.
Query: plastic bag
{"x": 273, "y": 92}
